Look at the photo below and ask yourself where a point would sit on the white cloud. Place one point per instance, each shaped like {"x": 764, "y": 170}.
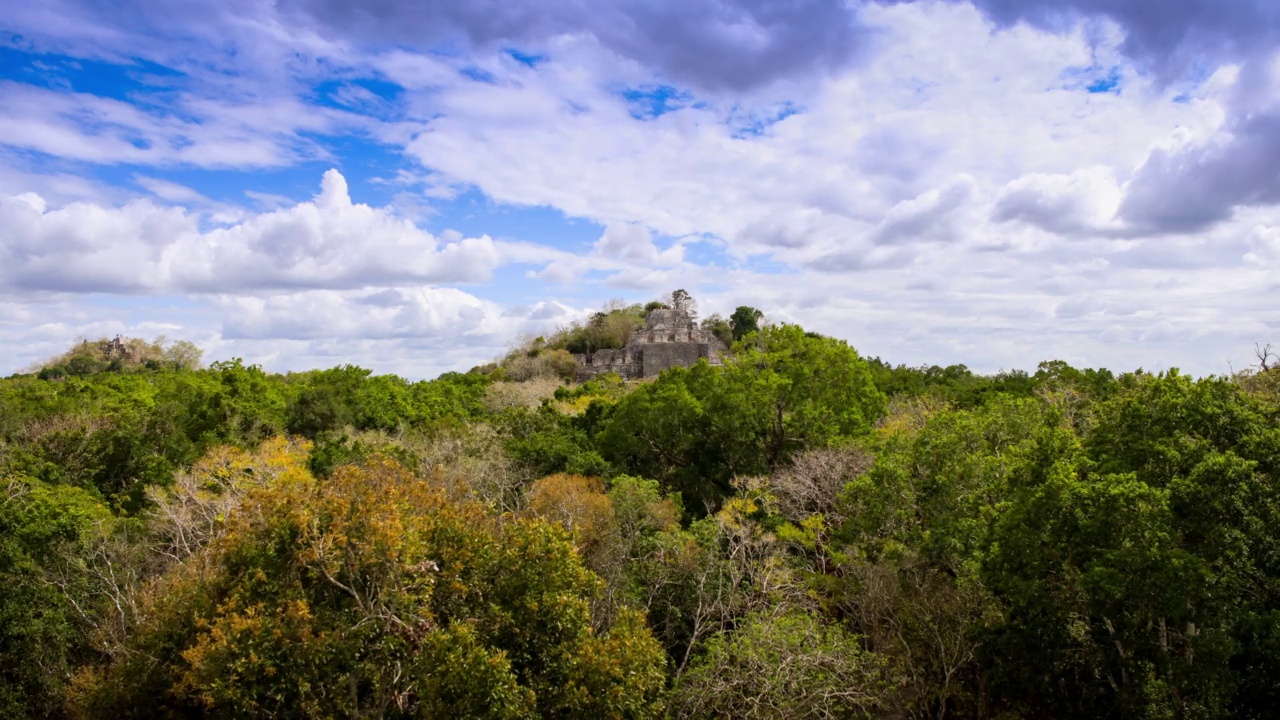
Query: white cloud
{"x": 946, "y": 99}
{"x": 1082, "y": 202}
{"x": 929, "y": 217}
{"x": 633, "y": 242}
{"x": 171, "y": 191}
{"x": 422, "y": 313}
{"x": 1264, "y": 247}
{"x": 140, "y": 247}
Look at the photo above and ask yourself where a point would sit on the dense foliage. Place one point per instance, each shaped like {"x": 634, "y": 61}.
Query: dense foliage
{"x": 798, "y": 533}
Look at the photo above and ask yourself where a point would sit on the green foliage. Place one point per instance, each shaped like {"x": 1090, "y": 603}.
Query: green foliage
{"x": 958, "y": 386}
{"x": 43, "y": 634}
{"x": 246, "y": 406}
{"x": 955, "y": 384}
{"x": 719, "y": 327}
{"x": 609, "y": 386}
{"x": 697, "y": 428}
{"x": 1149, "y": 572}
{"x": 121, "y": 355}
{"x": 789, "y": 666}
{"x": 744, "y": 321}
{"x": 609, "y": 328}
{"x": 545, "y": 442}
{"x": 450, "y": 397}
{"x": 860, "y": 539}
{"x": 1120, "y": 565}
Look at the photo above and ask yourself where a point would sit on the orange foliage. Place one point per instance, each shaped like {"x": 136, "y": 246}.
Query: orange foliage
{"x": 578, "y": 503}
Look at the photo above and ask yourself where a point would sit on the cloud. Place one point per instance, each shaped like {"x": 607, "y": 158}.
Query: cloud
{"x": 845, "y": 172}
{"x": 711, "y": 44}
{"x": 1191, "y": 188}
{"x": 1264, "y": 247}
{"x": 418, "y": 331}
{"x": 421, "y": 313}
{"x": 328, "y": 242}
{"x": 632, "y": 242}
{"x": 1082, "y": 202}
{"x": 171, "y": 191}
{"x": 80, "y": 126}
{"x": 415, "y": 331}
{"x": 1165, "y": 35}
{"x": 954, "y": 196}
{"x": 929, "y": 217}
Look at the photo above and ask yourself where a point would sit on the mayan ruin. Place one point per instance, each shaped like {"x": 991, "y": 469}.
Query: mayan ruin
{"x": 669, "y": 338}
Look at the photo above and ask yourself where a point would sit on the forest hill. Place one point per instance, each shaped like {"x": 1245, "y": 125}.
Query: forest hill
{"x": 799, "y": 532}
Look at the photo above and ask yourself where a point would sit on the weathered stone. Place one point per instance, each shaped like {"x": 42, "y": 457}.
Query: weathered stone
{"x": 670, "y": 338}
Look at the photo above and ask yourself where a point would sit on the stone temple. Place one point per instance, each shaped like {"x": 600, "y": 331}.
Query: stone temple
{"x": 669, "y": 338}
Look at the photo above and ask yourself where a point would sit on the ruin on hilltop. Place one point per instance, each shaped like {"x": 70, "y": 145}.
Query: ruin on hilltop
{"x": 669, "y": 338}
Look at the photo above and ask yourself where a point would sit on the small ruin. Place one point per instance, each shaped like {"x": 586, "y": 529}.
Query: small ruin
{"x": 669, "y": 338}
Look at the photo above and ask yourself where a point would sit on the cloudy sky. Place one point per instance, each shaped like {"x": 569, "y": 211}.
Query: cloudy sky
{"x": 411, "y": 185}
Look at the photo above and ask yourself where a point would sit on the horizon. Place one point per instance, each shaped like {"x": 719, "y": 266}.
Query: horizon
{"x": 413, "y": 187}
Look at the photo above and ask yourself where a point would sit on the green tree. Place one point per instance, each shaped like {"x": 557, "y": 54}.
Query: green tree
{"x": 44, "y": 628}
{"x": 719, "y": 327}
{"x": 697, "y": 428}
{"x": 744, "y": 321}
{"x": 1143, "y": 577}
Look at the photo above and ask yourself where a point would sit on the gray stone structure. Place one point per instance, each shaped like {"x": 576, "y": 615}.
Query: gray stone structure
{"x": 669, "y": 338}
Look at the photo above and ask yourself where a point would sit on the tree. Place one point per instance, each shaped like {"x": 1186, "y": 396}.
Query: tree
{"x": 801, "y": 390}
{"x": 696, "y": 428}
{"x": 718, "y": 326}
{"x": 786, "y": 666}
{"x": 373, "y": 594}
{"x": 744, "y": 321}
{"x": 907, "y": 558}
{"x": 1141, "y": 576}
{"x": 682, "y": 301}
{"x": 579, "y": 504}
{"x": 44, "y": 624}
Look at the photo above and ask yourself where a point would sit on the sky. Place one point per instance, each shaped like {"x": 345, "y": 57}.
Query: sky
{"x": 415, "y": 185}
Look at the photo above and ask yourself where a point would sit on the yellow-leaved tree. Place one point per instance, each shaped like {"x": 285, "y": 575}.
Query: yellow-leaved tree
{"x": 373, "y": 595}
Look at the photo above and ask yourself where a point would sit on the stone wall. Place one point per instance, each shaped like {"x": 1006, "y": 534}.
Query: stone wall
{"x": 660, "y": 356}
{"x": 668, "y": 339}
{"x": 601, "y": 362}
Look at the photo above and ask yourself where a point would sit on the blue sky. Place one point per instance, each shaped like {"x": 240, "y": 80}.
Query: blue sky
{"x": 415, "y": 186}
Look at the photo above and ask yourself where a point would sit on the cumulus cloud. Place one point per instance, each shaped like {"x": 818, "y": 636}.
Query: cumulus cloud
{"x": 415, "y": 330}
{"x": 421, "y": 313}
{"x": 328, "y": 242}
{"x": 633, "y": 242}
{"x": 1188, "y": 189}
{"x": 844, "y": 171}
{"x": 1264, "y": 247}
{"x": 711, "y": 44}
{"x": 1082, "y": 202}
